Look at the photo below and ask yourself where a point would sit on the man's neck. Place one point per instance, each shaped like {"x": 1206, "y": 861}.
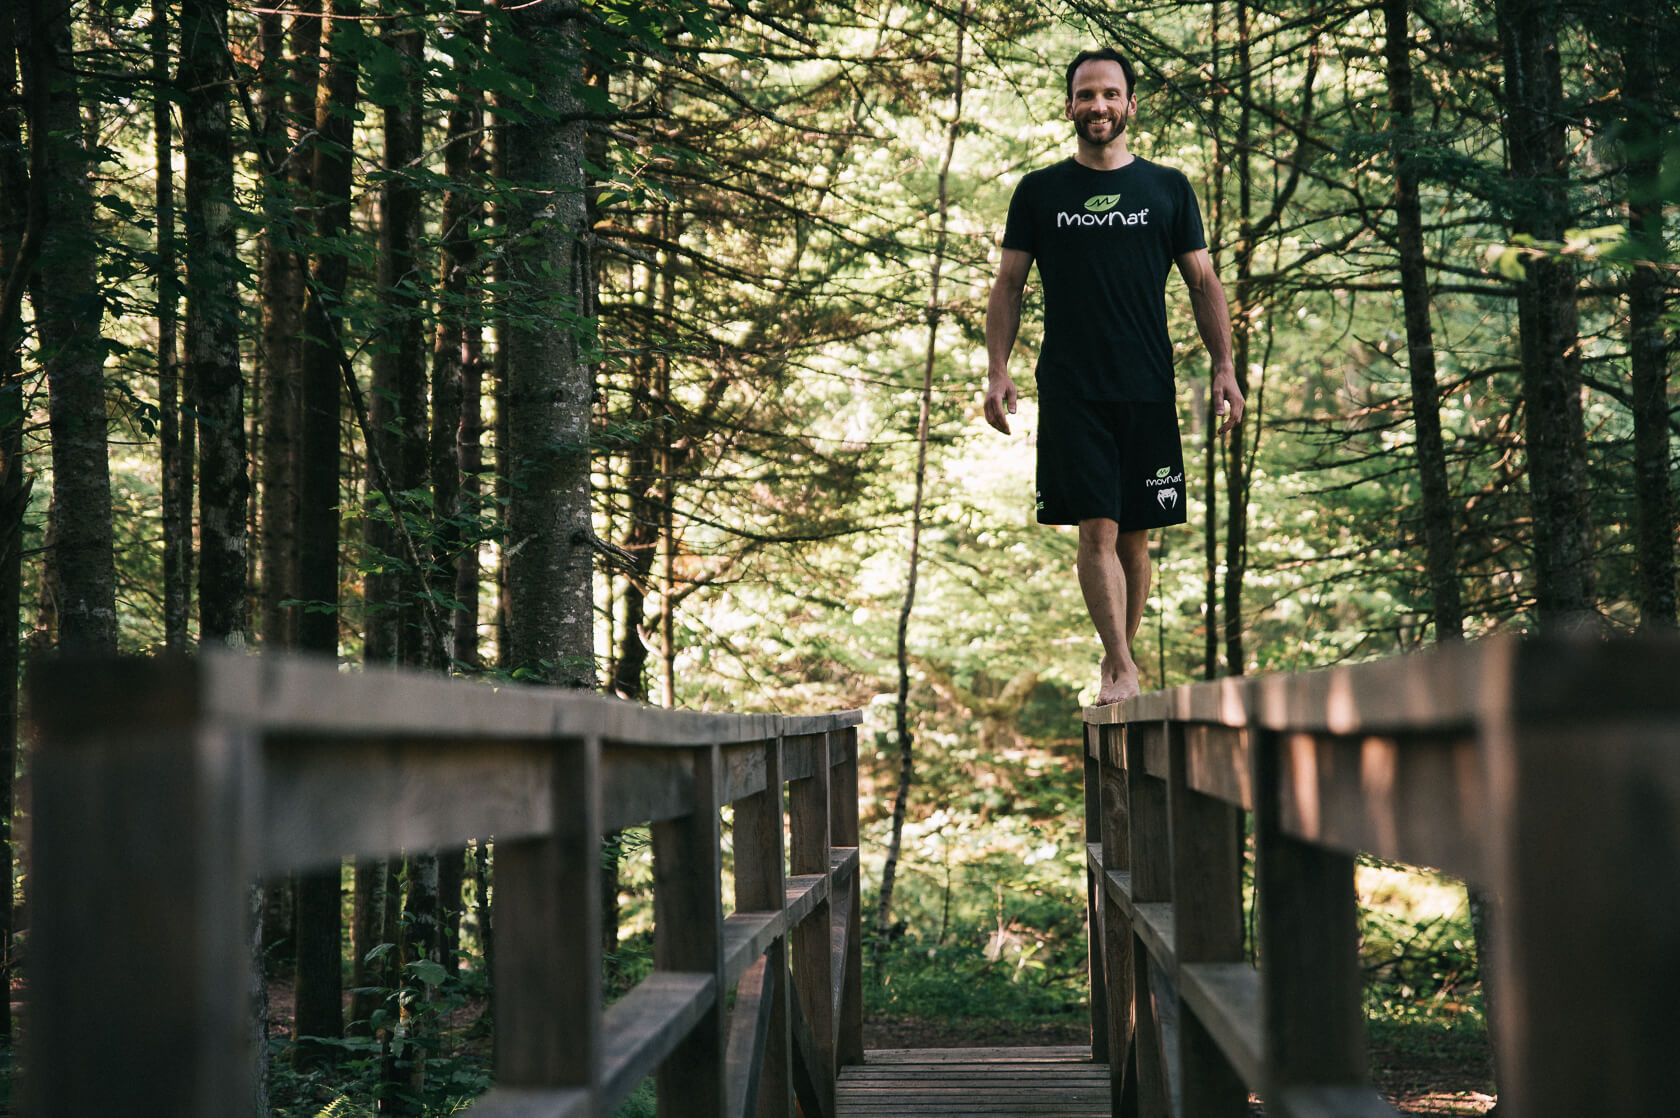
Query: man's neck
{"x": 1104, "y": 157}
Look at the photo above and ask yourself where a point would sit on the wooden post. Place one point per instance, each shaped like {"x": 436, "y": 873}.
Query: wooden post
{"x": 1207, "y": 924}
{"x": 688, "y": 936}
{"x": 139, "y": 968}
{"x": 1584, "y": 775}
{"x": 1116, "y": 924}
{"x": 761, "y": 886}
{"x": 548, "y": 937}
{"x": 1090, "y": 754}
{"x": 1309, "y": 945}
{"x": 809, "y": 830}
{"x": 843, "y": 816}
{"x": 1156, "y": 1001}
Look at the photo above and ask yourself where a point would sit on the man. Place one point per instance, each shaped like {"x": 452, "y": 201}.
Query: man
{"x": 1105, "y": 228}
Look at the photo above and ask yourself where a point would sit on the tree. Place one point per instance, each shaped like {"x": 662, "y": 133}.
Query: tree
{"x": 1548, "y": 319}
{"x": 550, "y": 566}
{"x": 69, "y": 314}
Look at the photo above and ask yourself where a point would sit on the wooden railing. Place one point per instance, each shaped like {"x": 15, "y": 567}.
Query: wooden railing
{"x": 164, "y": 789}
{"x": 1547, "y": 772}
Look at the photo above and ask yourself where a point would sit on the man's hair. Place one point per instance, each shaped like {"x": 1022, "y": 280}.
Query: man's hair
{"x": 1107, "y": 54}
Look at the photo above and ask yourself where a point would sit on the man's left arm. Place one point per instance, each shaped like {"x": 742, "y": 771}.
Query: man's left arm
{"x": 1213, "y": 322}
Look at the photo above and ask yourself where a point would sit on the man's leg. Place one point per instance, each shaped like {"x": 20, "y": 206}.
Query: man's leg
{"x": 1133, "y": 550}
{"x": 1102, "y": 579}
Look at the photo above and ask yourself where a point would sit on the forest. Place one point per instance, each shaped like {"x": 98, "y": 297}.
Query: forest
{"x": 638, "y": 345}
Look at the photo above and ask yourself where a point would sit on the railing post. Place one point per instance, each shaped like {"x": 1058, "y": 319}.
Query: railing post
{"x": 1090, "y": 752}
{"x": 761, "y": 886}
{"x": 688, "y": 936}
{"x": 1207, "y": 839}
{"x": 547, "y": 981}
{"x": 1116, "y": 924}
{"x": 1151, "y": 848}
{"x": 140, "y": 961}
{"x": 1309, "y": 945}
{"x": 843, "y": 817}
{"x": 809, "y": 830}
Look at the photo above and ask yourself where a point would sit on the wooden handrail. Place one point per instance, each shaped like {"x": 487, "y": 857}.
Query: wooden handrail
{"x": 164, "y": 788}
{"x": 1545, "y": 771}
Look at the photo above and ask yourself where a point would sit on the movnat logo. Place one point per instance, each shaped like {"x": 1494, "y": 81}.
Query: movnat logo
{"x": 1099, "y": 210}
{"x": 1166, "y": 484}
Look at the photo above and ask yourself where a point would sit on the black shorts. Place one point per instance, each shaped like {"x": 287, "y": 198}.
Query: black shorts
{"x": 1120, "y": 462}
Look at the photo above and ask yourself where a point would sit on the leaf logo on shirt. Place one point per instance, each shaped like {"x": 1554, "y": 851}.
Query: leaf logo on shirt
{"x": 1100, "y": 203}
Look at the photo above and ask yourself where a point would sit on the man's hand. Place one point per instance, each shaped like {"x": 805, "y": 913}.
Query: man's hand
{"x": 1227, "y": 398}
{"x": 1000, "y": 401}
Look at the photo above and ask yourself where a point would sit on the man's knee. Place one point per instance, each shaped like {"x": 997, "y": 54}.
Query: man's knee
{"x": 1098, "y": 532}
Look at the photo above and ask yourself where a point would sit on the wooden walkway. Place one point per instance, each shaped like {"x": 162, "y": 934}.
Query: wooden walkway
{"x": 990, "y": 1082}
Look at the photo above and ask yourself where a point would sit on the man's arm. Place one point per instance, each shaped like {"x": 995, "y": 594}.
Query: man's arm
{"x": 1003, "y": 323}
{"x": 1213, "y": 322}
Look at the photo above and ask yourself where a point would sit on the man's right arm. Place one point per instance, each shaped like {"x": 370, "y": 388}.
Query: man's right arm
{"x": 1003, "y": 323}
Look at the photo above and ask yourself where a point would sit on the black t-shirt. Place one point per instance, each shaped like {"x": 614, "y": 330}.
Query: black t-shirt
{"x": 1104, "y": 242}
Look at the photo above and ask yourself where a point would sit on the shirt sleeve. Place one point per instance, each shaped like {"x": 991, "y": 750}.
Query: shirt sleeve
{"x": 1018, "y": 227}
{"x": 1187, "y": 234}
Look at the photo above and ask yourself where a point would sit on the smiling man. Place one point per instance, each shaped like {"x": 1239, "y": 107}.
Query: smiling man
{"x": 1105, "y": 228}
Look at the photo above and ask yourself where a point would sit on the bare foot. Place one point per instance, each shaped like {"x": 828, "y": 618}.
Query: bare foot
{"x": 1116, "y": 685}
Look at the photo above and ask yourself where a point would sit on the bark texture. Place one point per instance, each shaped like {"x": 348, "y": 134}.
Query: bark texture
{"x": 1547, "y": 314}
{"x": 549, "y": 387}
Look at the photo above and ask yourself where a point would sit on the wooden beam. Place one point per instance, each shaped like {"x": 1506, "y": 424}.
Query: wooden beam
{"x": 749, "y": 1034}
{"x": 647, "y": 1025}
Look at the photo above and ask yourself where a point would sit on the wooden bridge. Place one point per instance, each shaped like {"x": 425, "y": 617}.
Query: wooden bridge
{"x": 1548, "y": 772}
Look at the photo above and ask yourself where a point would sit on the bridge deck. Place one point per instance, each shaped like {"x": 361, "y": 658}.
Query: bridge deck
{"x": 993, "y": 1082}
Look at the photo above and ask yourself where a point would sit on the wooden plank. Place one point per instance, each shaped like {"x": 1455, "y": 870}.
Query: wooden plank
{"x": 1308, "y": 920}
{"x": 1421, "y": 799}
{"x": 804, "y": 893}
{"x": 1585, "y": 965}
{"x": 649, "y": 1024}
{"x": 548, "y": 944}
{"x": 1225, "y": 999}
{"x": 810, "y": 842}
{"x": 814, "y": 1093}
{"x": 761, "y": 885}
{"x": 1055, "y": 1054}
{"x": 1115, "y": 924}
{"x": 1217, "y": 763}
{"x": 326, "y": 800}
{"x": 1207, "y": 924}
{"x": 1090, "y": 759}
{"x": 744, "y": 772}
{"x": 1333, "y": 1102}
{"x": 843, "y": 820}
{"x": 749, "y": 1032}
{"x": 1146, "y": 749}
{"x": 803, "y": 755}
{"x": 533, "y": 1102}
{"x": 746, "y": 936}
{"x": 1023, "y": 1082}
{"x": 1156, "y": 1040}
{"x": 688, "y": 935}
{"x": 141, "y": 833}
{"x": 641, "y": 785}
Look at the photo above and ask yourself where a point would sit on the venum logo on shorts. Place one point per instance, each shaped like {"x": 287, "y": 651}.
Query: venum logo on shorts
{"x": 1099, "y": 210}
{"x": 1166, "y": 484}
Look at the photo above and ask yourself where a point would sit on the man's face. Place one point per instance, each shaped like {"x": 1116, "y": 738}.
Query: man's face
{"x": 1101, "y": 104}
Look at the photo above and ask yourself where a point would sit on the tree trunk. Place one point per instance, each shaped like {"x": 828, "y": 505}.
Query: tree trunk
{"x": 15, "y": 262}
{"x": 176, "y": 427}
{"x": 1536, "y": 144}
{"x": 69, "y": 317}
{"x": 319, "y": 977}
{"x": 1242, "y": 320}
{"x": 549, "y": 565}
{"x": 455, "y": 432}
{"x": 1439, "y": 517}
{"x": 935, "y": 313}
{"x": 282, "y": 305}
{"x": 1647, "y": 341}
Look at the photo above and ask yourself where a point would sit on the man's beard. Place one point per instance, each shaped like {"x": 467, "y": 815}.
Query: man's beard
{"x": 1082, "y": 126}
